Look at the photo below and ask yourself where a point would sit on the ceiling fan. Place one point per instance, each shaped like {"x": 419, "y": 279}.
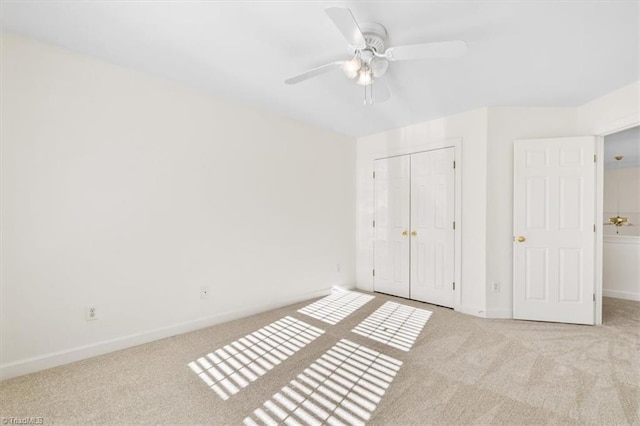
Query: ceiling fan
{"x": 370, "y": 59}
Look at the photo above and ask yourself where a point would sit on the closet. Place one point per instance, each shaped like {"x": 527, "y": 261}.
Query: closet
{"x": 414, "y": 226}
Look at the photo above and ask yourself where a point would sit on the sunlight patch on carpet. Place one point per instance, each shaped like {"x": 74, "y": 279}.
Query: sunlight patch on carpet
{"x": 342, "y": 387}
{"x": 337, "y": 306}
{"x": 234, "y": 366}
{"x": 395, "y": 325}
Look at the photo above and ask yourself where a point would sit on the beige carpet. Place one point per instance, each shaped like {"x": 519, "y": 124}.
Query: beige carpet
{"x": 462, "y": 370}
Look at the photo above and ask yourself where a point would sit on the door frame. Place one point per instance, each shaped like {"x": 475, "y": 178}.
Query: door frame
{"x": 599, "y": 249}
{"x": 456, "y": 144}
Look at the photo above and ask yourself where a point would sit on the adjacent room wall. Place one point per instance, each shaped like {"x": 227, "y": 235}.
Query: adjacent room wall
{"x": 621, "y": 251}
{"x": 131, "y": 193}
{"x": 621, "y": 272}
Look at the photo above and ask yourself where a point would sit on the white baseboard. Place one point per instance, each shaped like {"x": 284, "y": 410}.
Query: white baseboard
{"x": 500, "y": 314}
{"x": 617, "y": 294}
{"x": 54, "y": 359}
{"x": 472, "y": 310}
{"x": 365, "y": 287}
{"x": 346, "y": 286}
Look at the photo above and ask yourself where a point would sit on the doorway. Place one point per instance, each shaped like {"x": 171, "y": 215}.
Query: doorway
{"x": 621, "y": 217}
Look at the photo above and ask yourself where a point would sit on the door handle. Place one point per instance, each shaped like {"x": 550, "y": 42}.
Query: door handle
{"x": 405, "y": 233}
{"x": 521, "y": 239}
{"x": 414, "y": 233}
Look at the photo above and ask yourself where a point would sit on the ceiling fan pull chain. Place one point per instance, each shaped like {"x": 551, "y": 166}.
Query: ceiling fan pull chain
{"x": 373, "y": 100}
{"x": 371, "y": 93}
{"x": 364, "y": 101}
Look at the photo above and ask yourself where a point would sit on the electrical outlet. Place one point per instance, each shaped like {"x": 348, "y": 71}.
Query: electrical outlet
{"x": 91, "y": 313}
{"x": 204, "y": 292}
{"x": 338, "y": 267}
{"x": 495, "y": 287}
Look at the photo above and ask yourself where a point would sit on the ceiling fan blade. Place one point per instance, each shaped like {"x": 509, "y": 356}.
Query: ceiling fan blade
{"x": 314, "y": 72}
{"x": 445, "y": 49}
{"x": 346, "y": 23}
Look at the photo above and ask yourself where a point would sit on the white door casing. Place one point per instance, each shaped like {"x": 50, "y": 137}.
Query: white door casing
{"x": 554, "y": 229}
{"x": 432, "y": 227}
{"x": 391, "y": 233}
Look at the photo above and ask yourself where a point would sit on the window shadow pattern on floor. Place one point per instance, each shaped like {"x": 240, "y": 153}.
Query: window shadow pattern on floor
{"x": 229, "y": 369}
{"x": 394, "y": 324}
{"x": 342, "y": 387}
{"x": 337, "y": 306}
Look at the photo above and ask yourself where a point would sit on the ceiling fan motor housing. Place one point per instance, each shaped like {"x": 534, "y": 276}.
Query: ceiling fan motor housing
{"x": 375, "y": 35}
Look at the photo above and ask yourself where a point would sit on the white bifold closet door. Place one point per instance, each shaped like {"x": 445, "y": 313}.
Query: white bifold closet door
{"x": 414, "y": 226}
{"x": 432, "y": 227}
{"x": 391, "y": 243}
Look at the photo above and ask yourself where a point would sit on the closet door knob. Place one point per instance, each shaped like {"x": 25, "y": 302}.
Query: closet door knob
{"x": 405, "y": 233}
{"x": 414, "y": 233}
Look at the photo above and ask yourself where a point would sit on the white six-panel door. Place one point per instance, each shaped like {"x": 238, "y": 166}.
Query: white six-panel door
{"x": 391, "y": 243}
{"x": 414, "y": 236}
{"x": 554, "y": 239}
{"x": 432, "y": 233}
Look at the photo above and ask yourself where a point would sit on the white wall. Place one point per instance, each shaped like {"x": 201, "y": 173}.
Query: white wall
{"x": 615, "y": 111}
{"x": 626, "y": 196}
{"x": 468, "y": 131}
{"x": 130, "y": 192}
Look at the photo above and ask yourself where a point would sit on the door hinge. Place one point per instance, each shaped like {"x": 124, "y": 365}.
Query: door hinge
{"x": 454, "y": 164}
{"x": 374, "y": 223}
{"x": 454, "y": 225}
{"x": 374, "y": 175}
{"x": 595, "y": 158}
{"x": 374, "y": 272}
{"x": 454, "y": 285}
{"x": 594, "y": 297}
{"x": 594, "y": 227}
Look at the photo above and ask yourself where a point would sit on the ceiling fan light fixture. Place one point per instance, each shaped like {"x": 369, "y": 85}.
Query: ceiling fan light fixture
{"x": 351, "y": 68}
{"x": 379, "y": 67}
{"x": 365, "y": 77}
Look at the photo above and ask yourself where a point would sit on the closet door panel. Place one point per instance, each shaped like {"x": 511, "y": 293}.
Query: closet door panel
{"x": 432, "y": 233}
{"x": 391, "y": 241}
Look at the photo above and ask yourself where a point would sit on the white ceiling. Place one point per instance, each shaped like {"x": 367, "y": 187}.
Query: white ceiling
{"x": 535, "y": 53}
{"x": 625, "y": 143}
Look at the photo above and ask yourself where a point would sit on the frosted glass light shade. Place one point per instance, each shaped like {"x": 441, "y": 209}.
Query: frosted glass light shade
{"x": 351, "y": 68}
{"x": 379, "y": 67}
{"x": 364, "y": 78}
